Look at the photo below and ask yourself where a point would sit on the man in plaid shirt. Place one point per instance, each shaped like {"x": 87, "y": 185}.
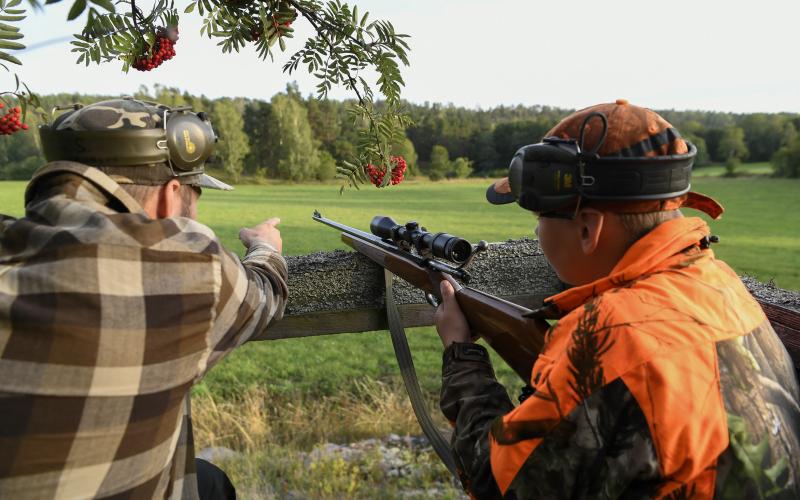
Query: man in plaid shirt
{"x": 114, "y": 301}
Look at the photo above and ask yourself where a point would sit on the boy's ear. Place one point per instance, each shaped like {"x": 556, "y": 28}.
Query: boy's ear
{"x": 590, "y": 224}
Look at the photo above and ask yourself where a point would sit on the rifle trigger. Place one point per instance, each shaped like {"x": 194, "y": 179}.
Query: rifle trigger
{"x": 431, "y": 300}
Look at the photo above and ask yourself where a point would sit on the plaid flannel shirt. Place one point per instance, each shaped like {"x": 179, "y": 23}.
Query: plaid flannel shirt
{"x": 107, "y": 319}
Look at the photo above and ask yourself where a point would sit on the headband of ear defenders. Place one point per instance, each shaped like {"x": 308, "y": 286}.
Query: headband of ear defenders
{"x": 186, "y": 142}
{"x": 556, "y": 173}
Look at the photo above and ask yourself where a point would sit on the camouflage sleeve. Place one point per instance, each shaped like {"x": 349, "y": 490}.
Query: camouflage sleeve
{"x": 252, "y": 293}
{"x": 472, "y": 399}
{"x": 602, "y": 448}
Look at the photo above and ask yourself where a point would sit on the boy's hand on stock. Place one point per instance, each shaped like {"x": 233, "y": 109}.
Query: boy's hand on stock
{"x": 450, "y": 321}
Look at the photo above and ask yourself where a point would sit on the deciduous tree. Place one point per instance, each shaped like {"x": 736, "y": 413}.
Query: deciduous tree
{"x": 439, "y": 166}
{"x": 294, "y": 151}
{"x": 233, "y": 144}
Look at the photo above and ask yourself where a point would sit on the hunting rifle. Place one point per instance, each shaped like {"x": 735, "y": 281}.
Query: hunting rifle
{"x": 410, "y": 252}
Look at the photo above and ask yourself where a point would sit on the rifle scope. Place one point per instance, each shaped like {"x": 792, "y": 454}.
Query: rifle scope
{"x": 441, "y": 245}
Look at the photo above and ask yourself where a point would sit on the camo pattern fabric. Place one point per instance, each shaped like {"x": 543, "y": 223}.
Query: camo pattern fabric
{"x": 761, "y": 397}
{"x": 112, "y": 115}
{"x": 662, "y": 380}
{"x": 603, "y": 448}
{"x": 107, "y": 320}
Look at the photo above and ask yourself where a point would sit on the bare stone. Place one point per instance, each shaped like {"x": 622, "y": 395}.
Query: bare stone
{"x": 768, "y": 292}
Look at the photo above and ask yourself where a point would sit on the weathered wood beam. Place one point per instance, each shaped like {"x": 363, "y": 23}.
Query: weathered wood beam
{"x": 343, "y": 292}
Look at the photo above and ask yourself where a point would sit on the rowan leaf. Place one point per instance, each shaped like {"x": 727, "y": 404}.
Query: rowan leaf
{"x": 77, "y": 9}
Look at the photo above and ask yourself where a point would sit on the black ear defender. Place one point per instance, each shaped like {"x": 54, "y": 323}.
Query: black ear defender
{"x": 556, "y": 173}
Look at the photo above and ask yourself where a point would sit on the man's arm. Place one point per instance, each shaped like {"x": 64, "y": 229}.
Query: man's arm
{"x": 252, "y": 292}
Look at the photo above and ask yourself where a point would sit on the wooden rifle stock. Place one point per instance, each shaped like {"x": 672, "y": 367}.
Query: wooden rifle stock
{"x": 506, "y": 327}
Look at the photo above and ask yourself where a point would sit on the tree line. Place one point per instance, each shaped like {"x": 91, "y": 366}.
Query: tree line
{"x": 300, "y": 138}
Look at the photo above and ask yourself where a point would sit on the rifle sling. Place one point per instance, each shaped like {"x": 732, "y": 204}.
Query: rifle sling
{"x": 409, "y": 374}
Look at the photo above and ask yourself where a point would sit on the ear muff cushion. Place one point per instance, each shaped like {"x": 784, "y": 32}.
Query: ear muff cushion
{"x": 190, "y": 140}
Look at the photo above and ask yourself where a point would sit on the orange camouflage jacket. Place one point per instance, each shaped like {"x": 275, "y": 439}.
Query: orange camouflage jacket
{"x": 663, "y": 379}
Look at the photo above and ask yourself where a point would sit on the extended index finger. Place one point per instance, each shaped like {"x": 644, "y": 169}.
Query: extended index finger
{"x": 273, "y": 221}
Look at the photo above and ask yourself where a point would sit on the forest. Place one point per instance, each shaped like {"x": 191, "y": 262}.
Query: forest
{"x": 297, "y": 138}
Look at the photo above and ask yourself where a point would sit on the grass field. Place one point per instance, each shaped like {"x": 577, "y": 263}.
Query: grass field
{"x": 745, "y": 169}
{"x": 274, "y": 398}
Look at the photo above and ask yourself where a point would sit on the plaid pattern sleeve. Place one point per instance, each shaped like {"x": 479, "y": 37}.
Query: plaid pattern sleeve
{"x": 107, "y": 318}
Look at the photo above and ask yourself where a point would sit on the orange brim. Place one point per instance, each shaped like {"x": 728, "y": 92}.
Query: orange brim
{"x": 691, "y": 199}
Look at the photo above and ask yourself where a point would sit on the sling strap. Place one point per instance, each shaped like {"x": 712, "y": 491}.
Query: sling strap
{"x": 409, "y": 374}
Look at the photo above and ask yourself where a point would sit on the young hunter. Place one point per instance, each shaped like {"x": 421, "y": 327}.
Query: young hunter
{"x": 662, "y": 376}
{"x": 114, "y": 301}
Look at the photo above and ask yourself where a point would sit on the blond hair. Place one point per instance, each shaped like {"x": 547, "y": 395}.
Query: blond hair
{"x": 638, "y": 225}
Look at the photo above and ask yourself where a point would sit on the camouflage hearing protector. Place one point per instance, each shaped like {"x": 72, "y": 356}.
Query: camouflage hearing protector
{"x": 128, "y": 132}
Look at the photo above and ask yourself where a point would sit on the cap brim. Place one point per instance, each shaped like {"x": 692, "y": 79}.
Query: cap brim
{"x": 500, "y": 193}
{"x": 704, "y": 203}
{"x": 207, "y": 181}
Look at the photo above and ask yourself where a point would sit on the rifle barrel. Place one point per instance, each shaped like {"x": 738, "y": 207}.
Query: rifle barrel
{"x": 345, "y": 229}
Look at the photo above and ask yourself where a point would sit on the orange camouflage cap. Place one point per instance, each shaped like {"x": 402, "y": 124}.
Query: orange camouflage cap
{"x": 631, "y": 131}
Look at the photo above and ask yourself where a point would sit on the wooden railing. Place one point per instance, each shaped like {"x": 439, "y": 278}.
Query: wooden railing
{"x": 343, "y": 292}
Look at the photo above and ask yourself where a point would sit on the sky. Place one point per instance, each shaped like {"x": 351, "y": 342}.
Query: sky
{"x": 723, "y": 55}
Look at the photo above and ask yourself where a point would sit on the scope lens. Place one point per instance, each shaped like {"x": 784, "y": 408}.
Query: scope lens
{"x": 460, "y": 250}
{"x": 447, "y": 246}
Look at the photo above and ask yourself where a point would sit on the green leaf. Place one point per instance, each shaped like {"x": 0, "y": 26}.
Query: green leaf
{"x": 9, "y": 58}
{"x": 774, "y": 472}
{"x": 190, "y": 8}
{"x": 10, "y": 45}
{"x": 77, "y": 9}
{"x": 8, "y": 27}
{"x": 12, "y": 19}
{"x": 7, "y": 35}
{"x": 106, "y": 4}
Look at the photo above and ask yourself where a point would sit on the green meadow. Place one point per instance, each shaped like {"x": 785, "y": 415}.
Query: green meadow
{"x": 346, "y": 387}
{"x": 760, "y": 231}
{"x": 759, "y": 236}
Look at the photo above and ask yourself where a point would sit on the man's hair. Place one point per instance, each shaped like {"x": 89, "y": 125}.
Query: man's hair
{"x": 638, "y": 225}
{"x": 141, "y": 193}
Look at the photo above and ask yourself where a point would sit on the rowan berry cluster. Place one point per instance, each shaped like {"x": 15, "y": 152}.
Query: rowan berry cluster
{"x": 398, "y": 171}
{"x": 10, "y": 122}
{"x": 256, "y": 33}
{"x": 163, "y": 50}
